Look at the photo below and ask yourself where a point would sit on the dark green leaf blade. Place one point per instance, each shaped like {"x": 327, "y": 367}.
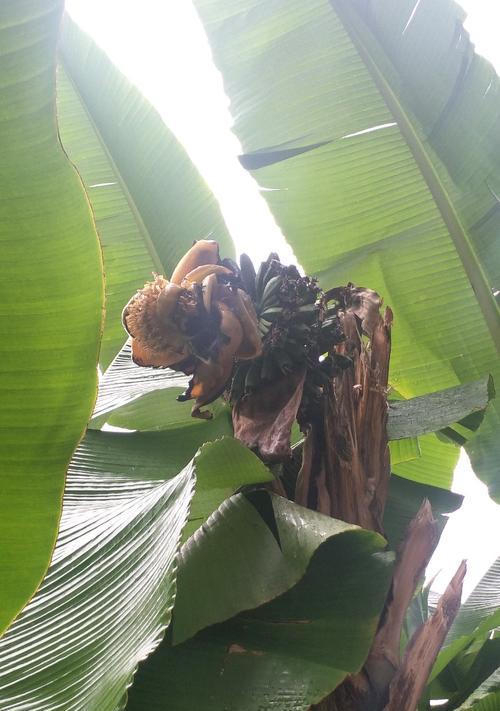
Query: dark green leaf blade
{"x": 486, "y": 697}
{"x": 262, "y": 557}
{"x": 476, "y": 618}
{"x": 289, "y": 652}
{"x": 404, "y": 500}
{"x": 222, "y": 467}
{"x": 469, "y": 671}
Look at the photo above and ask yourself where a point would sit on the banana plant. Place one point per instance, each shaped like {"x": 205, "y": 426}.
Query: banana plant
{"x": 52, "y": 300}
{"x": 174, "y": 536}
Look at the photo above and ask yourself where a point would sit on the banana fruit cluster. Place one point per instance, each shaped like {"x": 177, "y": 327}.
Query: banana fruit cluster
{"x": 200, "y": 322}
{"x": 236, "y": 330}
{"x": 299, "y": 330}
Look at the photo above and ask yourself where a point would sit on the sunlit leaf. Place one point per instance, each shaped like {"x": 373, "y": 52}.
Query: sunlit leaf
{"x": 149, "y": 200}
{"x": 124, "y": 382}
{"x": 51, "y": 303}
{"x": 107, "y": 596}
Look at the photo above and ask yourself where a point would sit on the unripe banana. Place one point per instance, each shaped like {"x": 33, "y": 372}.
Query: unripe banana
{"x": 307, "y": 313}
{"x": 264, "y": 274}
{"x": 272, "y": 314}
{"x": 270, "y": 292}
{"x": 205, "y": 251}
{"x": 248, "y": 275}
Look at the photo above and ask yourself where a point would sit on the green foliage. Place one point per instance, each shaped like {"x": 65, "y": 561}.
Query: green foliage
{"x": 466, "y": 670}
{"x": 148, "y": 199}
{"x": 378, "y": 178}
{"x": 110, "y": 590}
{"x": 307, "y": 610}
{"x": 51, "y": 302}
{"x": 373, "y": 169}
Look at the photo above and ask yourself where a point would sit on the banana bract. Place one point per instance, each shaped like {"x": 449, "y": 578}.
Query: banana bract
{"x": 201, "y": 322}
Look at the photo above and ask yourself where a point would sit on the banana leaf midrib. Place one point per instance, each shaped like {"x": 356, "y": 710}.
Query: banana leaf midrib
{"x": 365, "y": 45}
{"x": 130, "y": 201}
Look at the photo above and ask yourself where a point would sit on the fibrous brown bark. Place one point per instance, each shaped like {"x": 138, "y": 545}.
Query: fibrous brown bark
{"x": 409, "y": 682}
{"x": 345, "y": 473}
{"x": 413, "y": 556}
{"x": 346, "y": 469}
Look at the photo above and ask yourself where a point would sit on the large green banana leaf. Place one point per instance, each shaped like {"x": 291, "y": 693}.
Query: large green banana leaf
{"x": 486, "y": 697}
{"x": 404, "y": 500}
{"x": 145, "y": 400}
{"x": 51, "y": 305}
{"x": 478, "y": 616}
{"x": 374, "y": 131}
{"x": 308, "y": 591}
{"x": 124, "y": 382}
{"x": 149, "y": 201}
{"x": 469, "y": 676}
{"x": 108, "y": 594}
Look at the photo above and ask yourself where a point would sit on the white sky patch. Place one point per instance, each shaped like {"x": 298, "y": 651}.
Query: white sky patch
{"x": 162, "y": 48}
{"x": 111, "y": 428}
{"x": 483, "y": 25}
{"x": 473, "y": 533}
